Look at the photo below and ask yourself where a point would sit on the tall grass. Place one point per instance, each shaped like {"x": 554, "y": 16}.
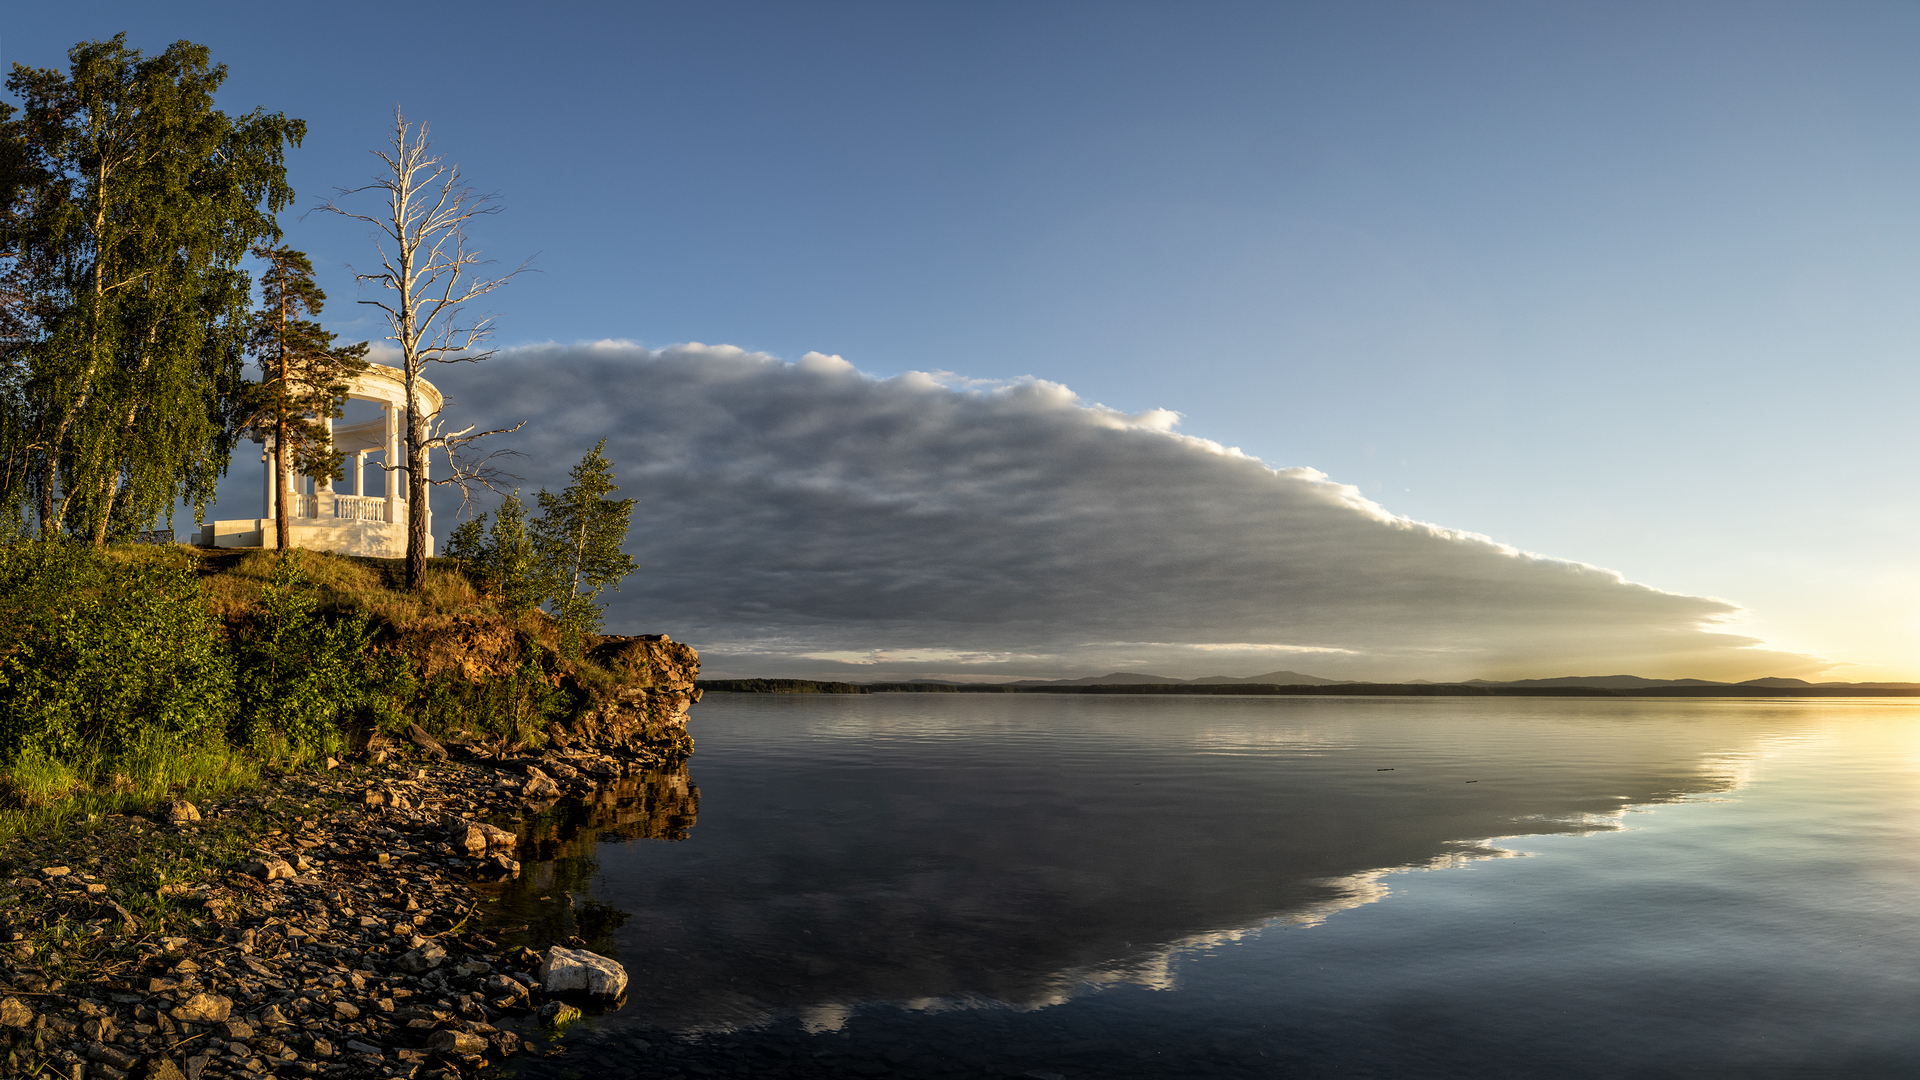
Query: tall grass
{"x": 40, "y": 792}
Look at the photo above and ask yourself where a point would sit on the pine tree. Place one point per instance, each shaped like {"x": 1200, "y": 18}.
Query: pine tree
{"x": 577, "y": 542}
{"x": 303, "y": 379}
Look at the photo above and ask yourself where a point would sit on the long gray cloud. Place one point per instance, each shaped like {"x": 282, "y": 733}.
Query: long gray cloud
{"x": 807, "y": 519}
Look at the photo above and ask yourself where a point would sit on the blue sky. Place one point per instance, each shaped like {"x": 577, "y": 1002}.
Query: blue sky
{"x": 1630, "y": 285}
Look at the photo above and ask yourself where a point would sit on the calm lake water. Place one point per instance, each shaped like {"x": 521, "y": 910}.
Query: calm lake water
{"x": 960, "y": 885}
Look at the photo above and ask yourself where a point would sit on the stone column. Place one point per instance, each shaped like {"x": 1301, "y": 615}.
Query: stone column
{"x": 359, "y": 473}
{"x": 392, "y": 415}
{"x": 323, "y": 485}
{"x": 268, "y": 489}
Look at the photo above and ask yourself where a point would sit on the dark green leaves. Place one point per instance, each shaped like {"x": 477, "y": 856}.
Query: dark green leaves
{"x": 141, "y": 200}
{"x": 109, "y": 655}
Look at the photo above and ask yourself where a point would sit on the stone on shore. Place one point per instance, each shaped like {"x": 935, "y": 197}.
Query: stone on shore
{"x": 477, "y": 837}
{"x": 382, "y": 796}
{"x": 203, "y": 1009}
{"x": 127, "y": 921}
{"x": 181, "y": 812}
{"x": 579, "y": 970}
{"x": 540, "y": 786}
{"x": 269, "y": 869}
{"x": 423, "y": 959}
{"x": 450, "y": 1043}
{"x": 419, "y": 737}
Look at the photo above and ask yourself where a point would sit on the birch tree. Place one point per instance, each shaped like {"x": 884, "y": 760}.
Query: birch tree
{"x": 427, "y": 276}
{"x": 577, "y": 545}
{"x": 145, "y": 199}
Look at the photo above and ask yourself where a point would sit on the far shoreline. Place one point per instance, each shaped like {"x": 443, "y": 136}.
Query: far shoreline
{"x": 811, "y": 686}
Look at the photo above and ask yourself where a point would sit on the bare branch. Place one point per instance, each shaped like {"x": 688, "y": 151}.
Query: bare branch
{"x": 471, "y": 474}
{"x": 427, "y": 277}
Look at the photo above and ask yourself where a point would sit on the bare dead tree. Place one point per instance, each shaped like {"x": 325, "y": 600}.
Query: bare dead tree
{"x": 427, "y": 273}
{"x": 467, "y": 469}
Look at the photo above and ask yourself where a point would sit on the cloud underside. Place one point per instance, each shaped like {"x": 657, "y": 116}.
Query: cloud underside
{"x": 806, "y": 519}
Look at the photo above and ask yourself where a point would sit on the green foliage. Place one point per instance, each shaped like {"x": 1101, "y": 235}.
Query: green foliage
{"x": 510, "y": 564}
{"x": 301, "y": 676}
{"x": 500, "y": 559}
{"x": 517, "y": 709}
{"x": 577, "y": 541}
{"x": 121, "y": 679}
{"x": 303, "y": 377}
{"x": 468, "y": 543}
{"x": 134, "y": 201}
{"x": 111, "y": 658}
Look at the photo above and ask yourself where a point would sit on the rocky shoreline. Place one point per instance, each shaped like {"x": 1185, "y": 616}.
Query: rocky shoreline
{"x": 334, "y": 924}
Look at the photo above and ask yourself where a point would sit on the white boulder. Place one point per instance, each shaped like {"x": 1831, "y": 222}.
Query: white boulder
{"x": 577, "y": 969}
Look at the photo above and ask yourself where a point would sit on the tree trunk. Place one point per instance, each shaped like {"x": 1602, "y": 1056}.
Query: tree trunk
{"x": 416, "y": 494}
{"x": 282, "y": 516}
{"x": 48, "y": 473}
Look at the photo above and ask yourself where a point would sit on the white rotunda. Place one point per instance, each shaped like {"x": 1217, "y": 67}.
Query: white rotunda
{"x": 349, "y": 524}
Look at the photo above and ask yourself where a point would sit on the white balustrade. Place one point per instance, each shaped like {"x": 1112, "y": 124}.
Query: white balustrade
{"x": 360, "y": 507}
{"x": 300, "y": 506}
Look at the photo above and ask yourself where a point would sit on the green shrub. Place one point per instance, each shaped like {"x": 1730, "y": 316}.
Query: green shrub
{"x": 107, "y": 655}
{"x": 303, "y": 676}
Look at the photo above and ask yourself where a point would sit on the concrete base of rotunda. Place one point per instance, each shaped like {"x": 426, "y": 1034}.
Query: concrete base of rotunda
{"x": 373, "y": 539}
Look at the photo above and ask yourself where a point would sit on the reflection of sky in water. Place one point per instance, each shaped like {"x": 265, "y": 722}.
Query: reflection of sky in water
{"x": 948, "y": 854}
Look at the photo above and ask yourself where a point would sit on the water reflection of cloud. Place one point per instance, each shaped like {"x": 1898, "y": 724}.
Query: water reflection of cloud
{"x": 970, "y": 881}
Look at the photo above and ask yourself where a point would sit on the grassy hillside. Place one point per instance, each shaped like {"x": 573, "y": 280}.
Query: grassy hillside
{"x": 135, "y": 673}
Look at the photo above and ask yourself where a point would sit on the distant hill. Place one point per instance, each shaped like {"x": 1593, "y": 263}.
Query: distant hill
{"x": 1130, "y": 678}
{"x": 1605, "y": 682}
{"x": 1288, "y": 677}
{"x": 1118, "y": 678}
{"x": 1277, "y": 678}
